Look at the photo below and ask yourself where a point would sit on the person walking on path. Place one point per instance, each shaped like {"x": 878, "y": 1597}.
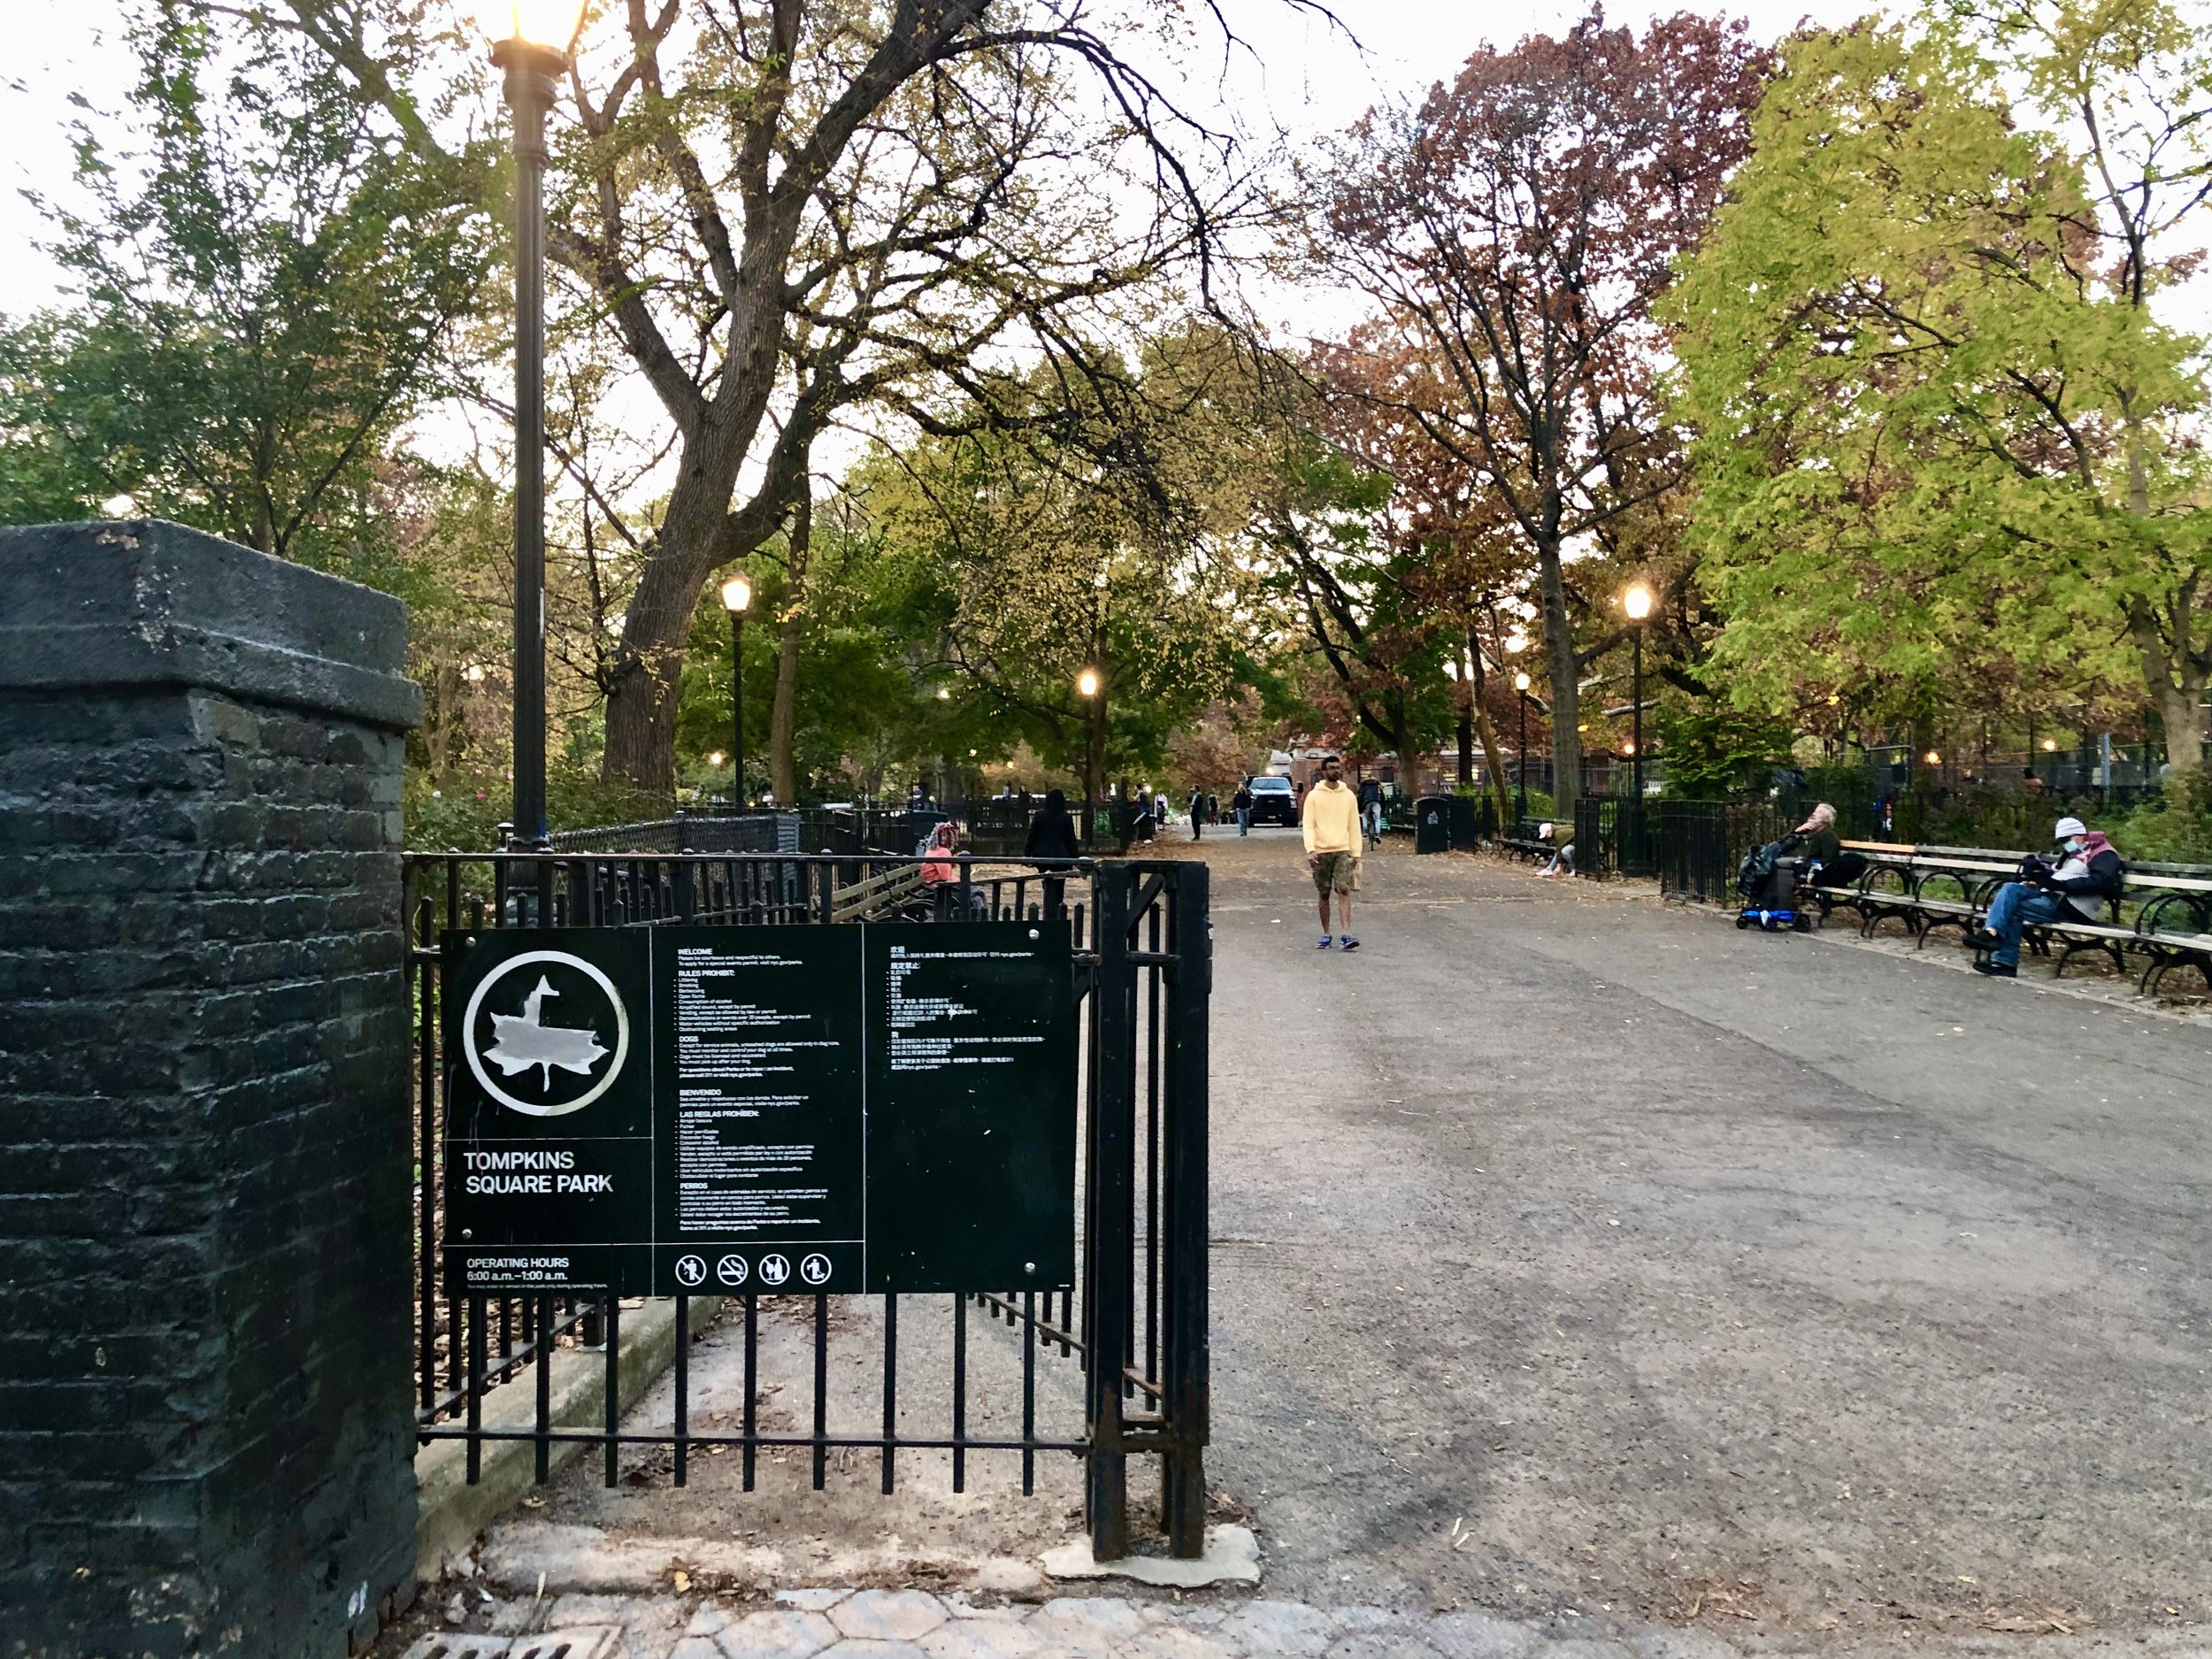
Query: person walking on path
{"x": 1242, "y": 802}
{"x": 1329, "y": 820}
{"x": 1197, "y": 812}
{"x": 1052, "y": 834}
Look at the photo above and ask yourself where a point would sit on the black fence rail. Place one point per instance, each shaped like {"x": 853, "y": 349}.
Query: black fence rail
{"x": 1135, "y": 1324}
{"x": 996, "y": 827}
{"x": 1613, "y": 836}
{"x": 1698, "y": 845}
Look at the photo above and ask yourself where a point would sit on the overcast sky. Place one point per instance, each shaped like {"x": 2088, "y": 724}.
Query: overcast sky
{"x": 1307, "y": 79}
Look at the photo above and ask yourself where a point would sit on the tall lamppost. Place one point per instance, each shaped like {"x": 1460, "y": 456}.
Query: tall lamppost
{"x": 737, "y": 594}
{"x": 1520, "y": 754}
{"x": 1090, "y": 686}
{"x": 534, "y": 56}
{"x": 1637, "y": 602}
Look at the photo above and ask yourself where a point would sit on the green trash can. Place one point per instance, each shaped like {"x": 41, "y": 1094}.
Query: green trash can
{"x": 1432, "y": 823}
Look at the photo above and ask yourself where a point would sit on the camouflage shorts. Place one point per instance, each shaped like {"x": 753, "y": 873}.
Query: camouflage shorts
{"x": 1336, "y": 872}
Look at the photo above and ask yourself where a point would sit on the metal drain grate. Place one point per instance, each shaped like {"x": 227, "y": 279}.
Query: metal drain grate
{"x": 585, "y": 1641}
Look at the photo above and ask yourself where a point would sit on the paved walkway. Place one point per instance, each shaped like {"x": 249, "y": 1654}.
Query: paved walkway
{"x": 1579, "y": 1252}
{"x": 1592, "y": 1279}
{"x": 916, "y": 1624}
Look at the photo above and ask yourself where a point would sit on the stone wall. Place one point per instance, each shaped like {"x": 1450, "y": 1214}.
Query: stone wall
{"x": 205, "y": 1443}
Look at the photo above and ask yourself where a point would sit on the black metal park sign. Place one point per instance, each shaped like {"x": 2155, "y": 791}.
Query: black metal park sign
{"x": 713, "y": 1110}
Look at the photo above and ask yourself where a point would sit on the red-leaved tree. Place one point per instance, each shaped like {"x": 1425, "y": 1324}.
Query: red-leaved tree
{"x": 1514, "y": 228}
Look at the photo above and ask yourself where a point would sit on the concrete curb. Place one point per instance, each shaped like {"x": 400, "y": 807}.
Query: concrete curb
{"x": 453, "y": 1514}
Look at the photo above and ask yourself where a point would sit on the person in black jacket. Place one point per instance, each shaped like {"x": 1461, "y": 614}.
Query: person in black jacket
{"x": 2079, "y": 886}
{"x": 1052, "y": 834}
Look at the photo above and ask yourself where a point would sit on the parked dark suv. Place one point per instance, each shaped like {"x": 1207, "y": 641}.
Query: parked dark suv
{"x": 1273, "y": 801}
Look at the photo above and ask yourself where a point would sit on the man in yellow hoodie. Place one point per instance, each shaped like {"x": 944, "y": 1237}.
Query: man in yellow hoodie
{"x": 1330, "y": 821}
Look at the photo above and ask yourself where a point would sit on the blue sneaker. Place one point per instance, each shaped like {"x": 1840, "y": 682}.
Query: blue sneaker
{"x": 1325, "y": 942}
{"x": 1349, "y": 943}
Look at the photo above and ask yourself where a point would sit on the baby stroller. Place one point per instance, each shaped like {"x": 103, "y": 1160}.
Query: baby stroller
{"x": 1767, "y": 879}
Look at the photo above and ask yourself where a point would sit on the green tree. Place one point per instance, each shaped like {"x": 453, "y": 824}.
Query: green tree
{"x": 1943, "y": 442}
{"x": 1515, "y": 228}
{"x": 266, "y": 296}
{"x": 1086, "y": 531}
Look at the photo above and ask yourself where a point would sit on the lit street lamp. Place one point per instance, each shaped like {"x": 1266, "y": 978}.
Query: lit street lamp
{"x": 1520, "y": 684}
{"x": 535, "y": 54}
{"x": 1090, "y": 686}
{"x": 737, "y": 594}
{"x": 1637, "y": 602}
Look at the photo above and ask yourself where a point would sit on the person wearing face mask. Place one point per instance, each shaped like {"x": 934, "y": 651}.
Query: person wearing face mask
{"x": 2077, "y": 888}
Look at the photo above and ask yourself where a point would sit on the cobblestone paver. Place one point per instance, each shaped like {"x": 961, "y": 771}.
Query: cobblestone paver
{"x": 915, "y": 1624}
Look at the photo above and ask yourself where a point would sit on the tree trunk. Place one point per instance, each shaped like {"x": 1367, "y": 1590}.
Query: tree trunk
{"x": 1499, "y": 794}
{"x": 1480, "y": 711}
{"x": 783, "y": 767}
{"x": 1566, "y": 701}
{"x": 2183, "y": 713}
{"x": 1408, "y": 745}
{"x": 641, "y": 750}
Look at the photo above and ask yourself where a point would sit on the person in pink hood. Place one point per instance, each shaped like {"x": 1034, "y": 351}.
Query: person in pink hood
{"x": 2080, "y": 886}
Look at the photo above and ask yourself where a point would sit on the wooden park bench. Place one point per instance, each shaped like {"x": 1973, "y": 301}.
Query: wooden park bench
{"x": 1524, "y": 842}
{"x": 897, "y": 891}
{"x": 2163, "y": 912}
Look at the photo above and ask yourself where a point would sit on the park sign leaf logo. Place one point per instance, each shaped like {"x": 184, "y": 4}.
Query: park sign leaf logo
{"x": 528, "y": 1048}
{"x": 523, "y": 1040}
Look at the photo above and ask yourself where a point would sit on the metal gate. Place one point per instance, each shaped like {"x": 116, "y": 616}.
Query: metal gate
{"x": 1135, "y": 1323}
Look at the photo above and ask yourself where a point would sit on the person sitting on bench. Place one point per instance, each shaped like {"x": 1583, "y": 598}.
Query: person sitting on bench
{"x": 2077, "y": 887}
{"x": 1824, "y": 848}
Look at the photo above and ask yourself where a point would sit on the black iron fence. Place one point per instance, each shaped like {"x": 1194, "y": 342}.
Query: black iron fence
{"x": 1135, "y": 1321}
{"x": 1613, "y": 836}
{"x": 997, "y": 826}
{"x": 1698, "y": 845}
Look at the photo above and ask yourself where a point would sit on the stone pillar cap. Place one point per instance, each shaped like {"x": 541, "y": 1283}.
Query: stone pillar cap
{"x": 147, "y": 602}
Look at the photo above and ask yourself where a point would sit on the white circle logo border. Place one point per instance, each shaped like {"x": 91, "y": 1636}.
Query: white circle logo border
{"x": 530, "y": 1109}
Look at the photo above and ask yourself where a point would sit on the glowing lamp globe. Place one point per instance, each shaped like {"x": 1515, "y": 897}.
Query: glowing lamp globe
{"x": 1637, "y": 602}
{"x": 737, "y": 593}
{"x": 552, "y": 23}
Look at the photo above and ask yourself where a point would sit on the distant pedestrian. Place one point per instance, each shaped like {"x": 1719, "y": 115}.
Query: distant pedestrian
{"x": 1242, "y": 802}
{"x": 1144, "y": 820}
{"x": 1052, "y": 834}
{"x": 1329, "y": 817}
{"x": 1197, "y": 813}
{"x": 1370, "y": 810}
